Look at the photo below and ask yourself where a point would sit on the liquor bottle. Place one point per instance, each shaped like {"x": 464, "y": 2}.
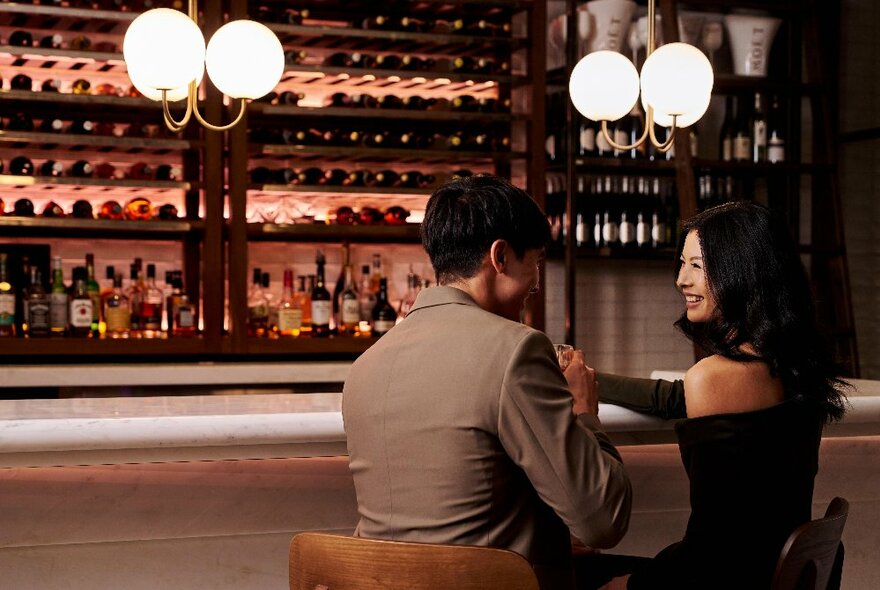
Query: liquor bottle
{"x": 726, "y": 135}
{"x": 258, "y": 313}
{"x": 7, "y": 299}
{"x": 135, "y": 293}
{"x": 81, "y": 305}
{"x": 21, "y": 166}
{"x": 304, "y": 298}
{"x": 349, "y": 306}
{"x": 384, "y": 316}
{"x": 271, "y": 305}
{"x": 775, "y": 133}
{"x": 58, "y": 303}
{"x": 742, "y": 137}
{"x": 39, "y": 306}
{"x": 340, "y": 286}
{"x": 94, "y": 291}
{"x": 290, "y": 313}
{"x": 759, "y": 131}
{"x": 322, "y": 304}
{"x": 117, "y": 313}
{"x": 366, "y": 299}
{"x": 184, "y": 323}
{"x": 412, "y": 289}
{"x": 151, "y": 307}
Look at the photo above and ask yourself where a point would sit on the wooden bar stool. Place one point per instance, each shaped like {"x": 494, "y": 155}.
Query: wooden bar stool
{"x": 813, "y": 554}
{"x": 321, "y": 561}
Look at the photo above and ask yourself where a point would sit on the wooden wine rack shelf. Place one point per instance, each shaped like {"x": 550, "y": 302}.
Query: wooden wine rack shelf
{"x": 311, "y": 232}
{"x": 341, "y": 190}
{"x": 98, "y": 228}
{"x": 385, "y": 154}
{"x": 323, "y": 113}
{"x": 98, "y": 143}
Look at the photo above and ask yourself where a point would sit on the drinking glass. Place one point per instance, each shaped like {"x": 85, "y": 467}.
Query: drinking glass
{"x": 564, "y": 354}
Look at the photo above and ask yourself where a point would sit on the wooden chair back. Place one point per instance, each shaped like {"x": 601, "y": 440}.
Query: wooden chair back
{"x": 321, "y": 561}
{"x": 809, "y": 555}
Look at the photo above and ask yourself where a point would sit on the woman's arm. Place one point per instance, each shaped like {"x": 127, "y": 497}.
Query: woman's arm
{"x": 649, "y": 396}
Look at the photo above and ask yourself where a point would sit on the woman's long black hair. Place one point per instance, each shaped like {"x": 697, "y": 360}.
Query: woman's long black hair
{"x": 763, "y": 299}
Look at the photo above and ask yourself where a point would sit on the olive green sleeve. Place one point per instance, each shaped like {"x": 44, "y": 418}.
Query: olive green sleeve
{"x": 649, "y": 396}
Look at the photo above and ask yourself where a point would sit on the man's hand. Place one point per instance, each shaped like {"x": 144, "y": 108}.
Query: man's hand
{"x": 582, "y": 384}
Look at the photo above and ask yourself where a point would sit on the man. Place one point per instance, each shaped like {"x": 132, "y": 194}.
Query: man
{"x": 461, "y": 427}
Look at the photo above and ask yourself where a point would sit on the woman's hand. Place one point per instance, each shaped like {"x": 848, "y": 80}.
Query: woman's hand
{"x": 582, "y": 385}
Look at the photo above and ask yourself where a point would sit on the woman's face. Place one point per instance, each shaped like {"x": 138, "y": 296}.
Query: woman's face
{"x": 692, "y": 283}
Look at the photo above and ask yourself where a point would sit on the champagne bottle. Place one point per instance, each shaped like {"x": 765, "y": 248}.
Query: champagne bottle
{"x": 51, "y": 168}
{"x": 21, "y": 82}
{"x": 322, "y": 304}
{"x": 384, "y": 316}
{"x": 776, "y": 134}
{"x": 727, "y": 133}
{"x": 742, "y": 139}
{"x": 759, "y": 131}
{"x": 82, "y": 169}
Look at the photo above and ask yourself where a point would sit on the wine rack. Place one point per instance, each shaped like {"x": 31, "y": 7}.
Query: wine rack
{"x": 467, "y": 69}
{"x": 795, "y": 73}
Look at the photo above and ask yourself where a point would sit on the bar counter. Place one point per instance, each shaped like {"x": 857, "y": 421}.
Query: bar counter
{"x": 193, "y": 492}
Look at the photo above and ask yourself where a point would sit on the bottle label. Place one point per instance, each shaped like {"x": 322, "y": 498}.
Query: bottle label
{"x": 550, "y": 147}
{"x": 38, "y": 315}
{"x": 627, "y": 233}
{"x": 760, "y": 134}
{"x": 185, "y": 317}
{"x": 81, "y": 313}
{"x": 610, "y": 232}
{"x": 588, "y": 139}
{"x": 727, "y": 149}
{"x": 658, "y": 233}
{"x": 258, "y": 312}
{"x": 602, "y": 144}
{"x": 580, "y": 232}
{"x": 382, "y": 326}
{"x": 321, "y": 313}
{"x": 776, "y": 152}
{"x": 597, "y": 231}
{"x": 621, "y": 138}
{"x": 289, "y": 318}
{"x": 58, "y": 310}
{"x": 642, "y": 233}
{"x": 151, "y": 315}
{"x": 742, "y": 148}
{"x": 351, "y": 311}
{"x": 7, "y": 309}
{"x": 118, "y": 319}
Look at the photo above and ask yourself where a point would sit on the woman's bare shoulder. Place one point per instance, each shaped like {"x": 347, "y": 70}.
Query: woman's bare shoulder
{"x": 718, "y": 385}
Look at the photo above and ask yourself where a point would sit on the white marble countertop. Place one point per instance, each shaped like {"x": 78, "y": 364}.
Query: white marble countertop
{"x": 89, "y": 431}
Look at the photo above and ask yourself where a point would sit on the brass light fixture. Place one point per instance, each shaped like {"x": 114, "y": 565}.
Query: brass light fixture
{"x": 675, "y": 83}
{"x": 166, "y": 57}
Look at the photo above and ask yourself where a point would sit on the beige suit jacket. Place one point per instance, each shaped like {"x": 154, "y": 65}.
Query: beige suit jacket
{"x": 460, "y": 430}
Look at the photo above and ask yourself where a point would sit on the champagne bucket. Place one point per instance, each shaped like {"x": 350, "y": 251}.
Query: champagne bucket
{"x": 604, "y": 24}
{"x": 751, "y": 38}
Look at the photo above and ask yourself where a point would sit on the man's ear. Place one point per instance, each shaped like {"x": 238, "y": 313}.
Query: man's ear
{"x": 498, "y": 253}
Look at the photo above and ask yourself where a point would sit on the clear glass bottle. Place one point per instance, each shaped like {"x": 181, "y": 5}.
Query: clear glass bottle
{"x": 290, "y": 313}
{"x": 258, "y": 312}
{"x": 58, "y": 303}
{"x": 349, "y": 305}
{"x": 7, "y": 299}
{"x": 304, "y": 297}
{"x": 185, "y": 315}
{"x": 117, "y": 313}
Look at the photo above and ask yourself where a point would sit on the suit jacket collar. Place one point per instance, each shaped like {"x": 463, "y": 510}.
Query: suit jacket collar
{"x": 435, "y": 296}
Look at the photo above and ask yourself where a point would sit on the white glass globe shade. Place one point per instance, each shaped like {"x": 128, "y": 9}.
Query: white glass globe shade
{"x": 676, "y": 79}
{"x": 244, "y": 59}
{"x": 163, "y": 48}
{"x": 604, "y": 85}
{"x": 686, "y": 120}
{"x": 172, "y": 95}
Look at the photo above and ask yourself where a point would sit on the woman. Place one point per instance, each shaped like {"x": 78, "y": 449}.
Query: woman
{"x": 754, "y": 407}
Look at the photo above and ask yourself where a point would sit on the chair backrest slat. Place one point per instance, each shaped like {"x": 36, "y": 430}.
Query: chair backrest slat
{"x": 809, "y": 554}
{"x": 321, "y": 561}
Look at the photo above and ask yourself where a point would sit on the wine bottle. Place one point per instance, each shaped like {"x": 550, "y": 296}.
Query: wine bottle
{"x": 295, "y": 56}
{"x": 334, "y": 177}
{"x": 51, "y": 168}
{"x": 742, "y": 139}
{"x": 310, "y": 176}
{"x": 51, "y": 41}
{"x": 82, "y": 169}
{"x": 50, "y": 85}
{"x": 20, "y": 122}
{"x": 23, "y": 208}
{"x": 21, "y": 82}
{"x": 411, "y": 62}
{"x": 82, "y": 209}
{"x": 383, "y": 62}
{"x": 321, "y": 302}
{"x": 291, "y": 98}
{"x": 81, "y": 126}
{"x": 384, "y": 316}
{"x": 21, "y": 39}
{"x": 776, "y": 134}
{"x": 759, "y": 131}
{"x": 80, "y": 43}
{"x": 410, "y": 24}
{"x": 340, "y": 285}
{"x": 81, "y": 86}
{"x": 21, "y": 166}
{"x": 380, "y": 22}
{"x": 167, "y": 172}
{"x": 727, "y": 133}
{"x": 389, "y": 101}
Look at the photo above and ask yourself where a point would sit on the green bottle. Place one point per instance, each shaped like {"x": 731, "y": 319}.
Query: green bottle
{"x": 58, "y": 304}
{"x": 94, "y": 291}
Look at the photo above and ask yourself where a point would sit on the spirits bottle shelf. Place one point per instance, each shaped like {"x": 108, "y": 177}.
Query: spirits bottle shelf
{"x": 130, "y": 348}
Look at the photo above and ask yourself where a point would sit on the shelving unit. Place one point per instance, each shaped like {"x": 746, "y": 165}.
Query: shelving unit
{"x": 797, "y": 73}
{"x": 216, "y": 195}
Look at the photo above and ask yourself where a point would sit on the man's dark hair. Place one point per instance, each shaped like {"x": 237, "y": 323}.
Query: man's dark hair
{"x": 465, "y": 216}
{"x": 763, "y": 299}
